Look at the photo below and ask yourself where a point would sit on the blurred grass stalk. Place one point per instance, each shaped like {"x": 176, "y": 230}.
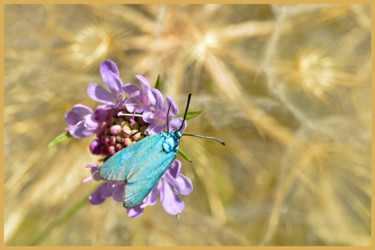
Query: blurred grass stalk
{"x": 286, "y": 86}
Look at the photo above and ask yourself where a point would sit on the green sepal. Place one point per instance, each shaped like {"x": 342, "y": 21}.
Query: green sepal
{"x": 59, "y": 139}
{"x": 183, "y": 154}
{"x": 158, "y": 83}
{"x": 189, "y": 115}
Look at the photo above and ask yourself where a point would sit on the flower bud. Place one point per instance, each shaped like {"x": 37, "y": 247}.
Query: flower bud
{"x": 115, "y": 129}
{"x": 135, "y": 136}
{"x": 110, "y": 120}
{"x": 127, "y": 142}
{"x": 112, "y": 140}
{"x": 118, "y": 121}
{"x": 106, "y": 140}
{"x": 126, "y": 131}
{"x": 118, "y": 147}
{"x": 111, "y": 150}
{"x": 103, "y": 125}
{"x": 95, "y": 146}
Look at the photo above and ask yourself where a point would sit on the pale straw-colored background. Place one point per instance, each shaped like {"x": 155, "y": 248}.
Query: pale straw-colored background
{"x": 286, "y": 86}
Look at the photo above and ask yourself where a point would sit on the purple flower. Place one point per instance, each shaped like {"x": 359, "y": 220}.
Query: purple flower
{"x": 158, "y": 118}
{"x": 115, "y": 131}
{"x": 139, "y": 100}
{"x": 169, "y": 186}
{"x": 111, "y": 78}
{"x": 108, "y": 189}
{"x": 81, "y": 121}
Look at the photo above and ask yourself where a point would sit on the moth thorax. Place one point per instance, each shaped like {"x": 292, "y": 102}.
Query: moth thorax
{"x": 170, "y": 143}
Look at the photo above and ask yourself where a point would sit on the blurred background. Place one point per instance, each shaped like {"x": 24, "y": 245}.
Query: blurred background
{"x": 287, "y": 87}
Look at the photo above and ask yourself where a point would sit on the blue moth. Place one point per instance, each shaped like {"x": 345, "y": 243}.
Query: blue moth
{"x": 142, "y": 164}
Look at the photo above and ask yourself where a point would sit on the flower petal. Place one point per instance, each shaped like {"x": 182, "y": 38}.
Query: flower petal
{"x": 76, "y": 114}
{"x": 110, "y": 75}
{"x": 133, "y": 104}
{"x": 170, "y": 102}
{"x": 154, "y": 128}
{"x": 130, "y": 88}
{"x": 90, "y": 122}
{"x": 175, "y": 124}
{"x": 118, "y": 192}
{"x": 80, "y": 131}
{"x": 182, "y": 184}
{"x": 144, "y": 83}
{"x": 174, "y": 168}
{"x": 171, "y": 202}
{"x": 100, "y": 194}
{"x": 159, "y": 105}
{"x": 102, "y": 112}
{"x": 148, "y": 115}
{"x": 100, "y": 94}
{"x": 153, "y": 196}
{"x": 95, "y": 174}
{"x": 134, "y": 212}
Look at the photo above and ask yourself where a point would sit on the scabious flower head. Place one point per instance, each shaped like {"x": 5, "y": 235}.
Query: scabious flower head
{"x": 121, "y": 122}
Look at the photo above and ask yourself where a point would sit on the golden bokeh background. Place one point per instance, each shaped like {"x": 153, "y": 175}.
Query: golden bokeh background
{"x": 287, "y": 87}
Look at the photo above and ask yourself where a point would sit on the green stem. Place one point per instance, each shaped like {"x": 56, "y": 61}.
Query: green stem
{"x": 62, "y": 218}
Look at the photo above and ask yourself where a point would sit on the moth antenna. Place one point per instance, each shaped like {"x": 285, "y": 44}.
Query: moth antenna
{"x": 186, "y": 110}
{"x": 168, "y": 117}
{"x": 206, "y": 137}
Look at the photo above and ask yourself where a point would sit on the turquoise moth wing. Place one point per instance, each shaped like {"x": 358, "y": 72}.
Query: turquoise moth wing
{"x": 141, "y": 165}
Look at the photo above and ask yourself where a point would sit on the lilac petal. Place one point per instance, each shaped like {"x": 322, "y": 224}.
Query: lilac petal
{"x": 80, "y": 131}
{"x": 153, "y": 196}
{"x": 90, "y": 122}
{"x": 110, "y": 75}
{"x": 130, "y": 88}
{"x": 95, "y": 174}
{"x": 154, "y": 128}
{"x": 100, "y": 94}
{"x": 148, "y": 116}
{"x": 182, "y": 184}
{"x": 151, "y": 98}
{"x": 159, "y": 105}
{"x": 144, "y": 83}
{"x": 116, "y": 85}
{"x": 174, "y": 109}
{"x": 175, "y": 124}
{"x": 132, "y": 104}
{"x": 174, "y": 168}
{"x": 102, "y": 112}
{"x": 109, "y": 66}
{"x": 101, "y": 194}
{"x": 76, "y": 114}
{"x": 94, "y": 170}
{"x": 118, "y": 192}
{"x": 171, "y": 202}
{"x": 134, "y": 212}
